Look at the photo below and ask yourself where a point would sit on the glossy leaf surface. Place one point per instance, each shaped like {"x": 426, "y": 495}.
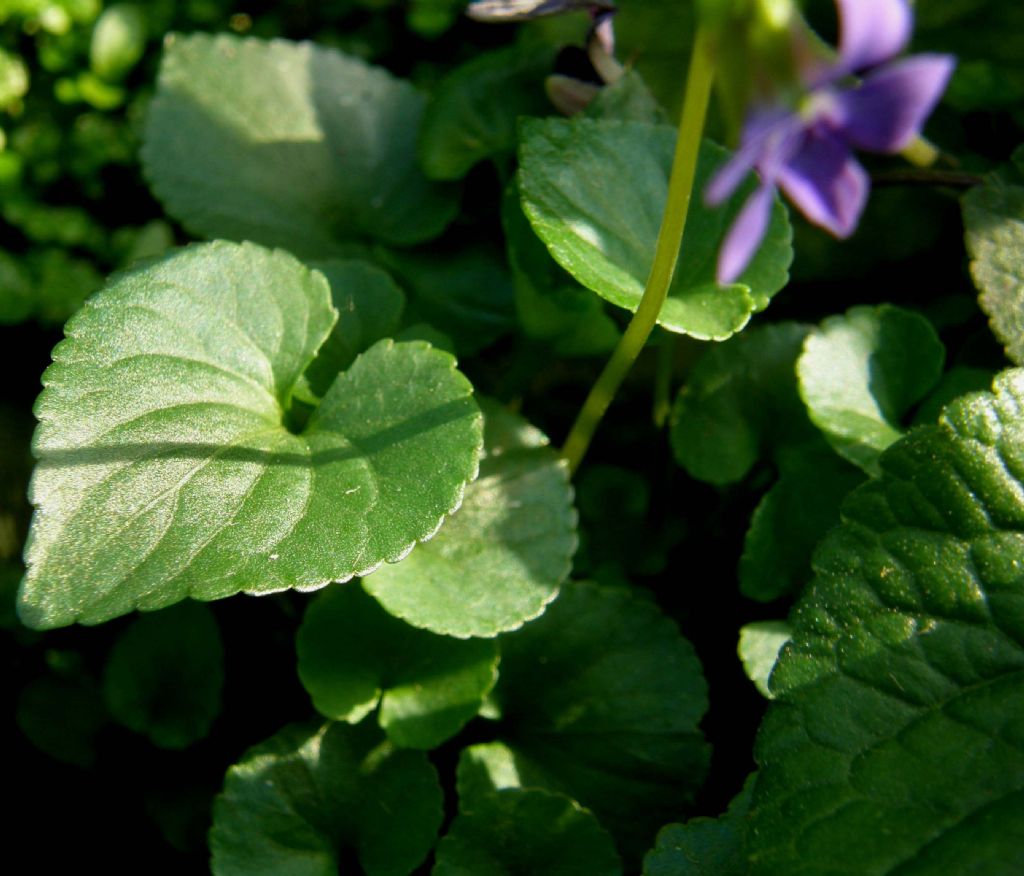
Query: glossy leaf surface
{"x": 860, "y": 374}
{"x": 166, "y": 469}
{"x": 894, "y": 745}
{"x": 595, "y": 192}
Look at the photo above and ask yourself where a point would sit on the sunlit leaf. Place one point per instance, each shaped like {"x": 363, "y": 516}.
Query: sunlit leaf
{"x": 288, "y": 144}
{"x": 894, "y": 743}
{"x": 860, "y": 373}
{"x": 499, "y": 560}
{"x": 595, "y": 192}
{"x": 994, "y": 220}
{"x": 170, "y": 464}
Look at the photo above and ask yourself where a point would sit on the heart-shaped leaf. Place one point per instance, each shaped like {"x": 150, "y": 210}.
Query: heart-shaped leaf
{"x": 369, "y": 306}
{"x": 165, "y": 466}
{"x": 300, "y": 801}
{"x": 896, "y": 741}
{"x": 600, "y": 698}
{"x": 498, "y": 561}
{"x": 354, "y": 655}
{"x": 288, "y": 144}
{"x": 595, "y": 193}
{"x": 861, "y": 372}
{"x": 165, "y": 673}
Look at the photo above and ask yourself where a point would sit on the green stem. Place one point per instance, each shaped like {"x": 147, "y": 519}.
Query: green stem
{"x": 666, "y": 253}
{"x": 663, "y": 381}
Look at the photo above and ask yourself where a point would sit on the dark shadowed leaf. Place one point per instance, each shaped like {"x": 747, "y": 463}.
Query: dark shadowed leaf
{"x": 308, "y": 798}
{"x": 354, "y": 656}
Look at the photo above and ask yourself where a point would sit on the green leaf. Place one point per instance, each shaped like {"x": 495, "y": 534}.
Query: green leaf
{"x": 601, "y": 699}
{"x": 473, "y": 113}
{"x": 288, "y": 144}
{"x": 895, "y": 741}
{"x": 628, "y": 99}
{"x": 369, "y": 306}
{"x": 551, "y": 306}
{"x": 794, "y": 515}
{"x": 464, "y": 291}
{"x": 760, "y": 643}
{"x": 958, "y": 381}
{"x": 165, "y": 466}
{"x": 353, "y": 655}
{"x": 994, "y": 222}
{"x": 498, "y": 561}
{"x": 503, "y": 829}
{"x": 527, "y": 832}
{"x": 740, "y": 404}
{"x": 62, "y": 716}
{"x": 595, "y": 192}
{"x": 297, "y": 803}
{"x": 165, "y": 673}
{"x": 703, "y": 846}
{"x": 860, "y": 374}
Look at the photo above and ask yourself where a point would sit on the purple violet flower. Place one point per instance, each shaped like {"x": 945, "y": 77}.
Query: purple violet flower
{"x": 808, "y": 152}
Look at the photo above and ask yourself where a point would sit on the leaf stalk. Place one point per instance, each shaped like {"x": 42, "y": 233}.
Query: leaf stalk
{"x": 680, "y": 191}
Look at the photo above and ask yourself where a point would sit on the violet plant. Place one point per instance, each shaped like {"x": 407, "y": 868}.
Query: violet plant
{"x": 766, "y": 618}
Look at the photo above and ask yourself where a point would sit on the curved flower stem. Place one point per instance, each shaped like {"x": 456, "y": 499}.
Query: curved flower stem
{"x": 680, "y": 191}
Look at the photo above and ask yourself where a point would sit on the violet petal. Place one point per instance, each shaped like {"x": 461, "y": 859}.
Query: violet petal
{"x": 826, "y": 183}
{"x": 767, "y": 141}
{"x": 745, "y": 235}
{"x": 889, "y": 109}
{"x": 871, "y": 32}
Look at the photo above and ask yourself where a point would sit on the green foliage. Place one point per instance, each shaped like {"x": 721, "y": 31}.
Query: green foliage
{"x": 601, "y": 698}
{"x": 297, "y": 802}
{"x": 369, "y": 306}
{"x": 703, "y": 846}
{"x": 473, "y": 113}
{"x": 912, "y": 632}
{"x": 759, "y": 647}
{"x": 994, "y": 221}
{"x": 500, "y": 559}
{"x": 594, "y": 192}
{"x": 862, "y": 372}
{"x": 353, "y": 656}
{"x": 280, "y": 143}
{"x": 506, "y": 830}
{"x": 193, "y": 484}
{"x": 165, "y": 673}
{"x": 740, "y": 404}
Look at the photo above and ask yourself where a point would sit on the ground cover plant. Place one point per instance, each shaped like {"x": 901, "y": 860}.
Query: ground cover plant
{"x": 513, "y": 437}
